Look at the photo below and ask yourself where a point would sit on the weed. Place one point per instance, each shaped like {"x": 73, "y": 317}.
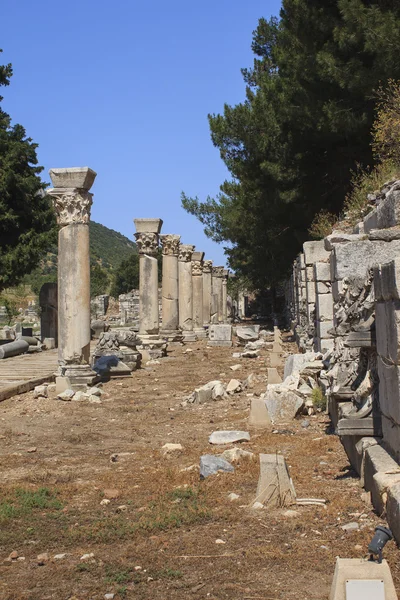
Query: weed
{"x": 319, "y": 399}
{"x": 322, "y": 225}
{"x": 23, "y": 502}
{"x": 118, "y": 576}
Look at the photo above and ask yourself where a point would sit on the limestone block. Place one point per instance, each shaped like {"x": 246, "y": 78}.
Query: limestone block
{"x": 275, "y": 359}
{"x": 282, "y": 407}
{"x": 310, "y": 273}
{"x": 220, "y": 333}
{"x": 295, "y": 362}
{"x": 323, "y": 328}
{"x": 380, "y": 472}
{"x": 273, "y": 376}
{"x": 248, "y": 333}
{"x": 325, "y": 344}
{"x": 315, "y": 252}
{"x": 370, "y": 221}
{"x": 378, "y": 292}
{"x": 337, "y": 289}
{"x": 301, "y": 261}
{"x": 387, "y": 319}
{"x": 311, "y": 296}
{"x": 338, "y": 237}
{"x": 355, "y": 259}
{"x": 259, "y": 416}
{"x": 391, "y": 437}
{"x": 324, "y": 307}
{"x": 390, "y": 279}
{"x": 310, "y": 311}
{"x": 360, "y": 569}
{"x": 388, "y": 211}
{"x": 322, "y": 271}
{"x": 393, "y": 510}
{"x": 389, "y": 389}
{"x": 275, "y": 487}
{"x": 323, "y": 288}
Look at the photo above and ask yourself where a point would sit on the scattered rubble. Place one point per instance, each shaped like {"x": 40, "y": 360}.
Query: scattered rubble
{"x": 229, "y": 437}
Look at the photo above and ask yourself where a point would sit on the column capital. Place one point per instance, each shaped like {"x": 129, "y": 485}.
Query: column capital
{"x": 197, "y": 267}
{"x": 225, "y": 276}
{"x": 218, "y": 271}
{"x": 185, "y": 252}
{"x": 72, "y": 205}
{"x": 207, "y": 266}
{"x": 170, "y": 244}
{"x": 147, "y": 243}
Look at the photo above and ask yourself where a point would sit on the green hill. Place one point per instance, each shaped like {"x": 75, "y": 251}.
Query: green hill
{"x": 108, "y": 248}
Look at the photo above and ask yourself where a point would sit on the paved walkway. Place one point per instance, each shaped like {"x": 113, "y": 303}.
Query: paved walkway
{"x": 22, "y": 373}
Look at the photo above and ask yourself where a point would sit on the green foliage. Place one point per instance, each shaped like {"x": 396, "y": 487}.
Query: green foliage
{"x": 126, "y": 276}
{"x": 291, "y": 145}
{"x": 27, "y": 219}
{"x": 319, "y": 399}
{"x": 23, "y": 502}
{"x": 322, "y": 224}
{"x": 99, "y": 280}
{"x": 386, "y": 130}
{"x": 108, "y": 247}
{"x": 10, "y": 308}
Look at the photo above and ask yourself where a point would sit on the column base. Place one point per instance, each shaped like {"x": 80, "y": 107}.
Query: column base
{"x": 189, "y": 336}
{"x": 172, "y": 336}
{"x": 200, "y": 332}
{"x": 79, "y": 376}
{"x": 151, "y": 347}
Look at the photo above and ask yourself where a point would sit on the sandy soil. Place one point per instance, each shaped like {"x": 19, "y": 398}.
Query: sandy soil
{"x": 157, "y": 536}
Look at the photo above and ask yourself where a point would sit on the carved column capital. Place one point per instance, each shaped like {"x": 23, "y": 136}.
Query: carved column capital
{"x": 147, "y": 243}
{"x": 170, "y": 244}
{"x": 225, "y": 276}
{"x": 207, "y": 266}
{"x": 72, "y": 205}
{"x": 218, "y": 271}
{"x": 197, "y": 267}
{"x": 185, "y": 252}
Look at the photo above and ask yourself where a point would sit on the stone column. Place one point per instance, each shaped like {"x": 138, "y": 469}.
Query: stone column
{"x": 207, "y": 291}
{"x": 147, "y": 230}
{"x": 197, "y": 281}
{"x": 225, "y": 296}
{"x": 186, "y": 292}
{"x": 217, "y": 275}
{"x": 72, "y": 203}
{"x": 170, "y": 288}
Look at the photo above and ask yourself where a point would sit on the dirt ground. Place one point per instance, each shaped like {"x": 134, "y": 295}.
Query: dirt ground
{"x": 157, "y": 536}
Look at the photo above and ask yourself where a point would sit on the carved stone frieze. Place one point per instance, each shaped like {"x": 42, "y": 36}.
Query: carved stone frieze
{"x": 170, "y": 244}
{"x": 185, "y": 252}
{"x": 72, "y": 205}
{"x": 147, "y": 243}
{"x": 197, "y": 268}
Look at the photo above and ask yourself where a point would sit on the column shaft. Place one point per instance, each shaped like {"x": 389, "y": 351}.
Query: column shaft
{"x": 207, "y": 291}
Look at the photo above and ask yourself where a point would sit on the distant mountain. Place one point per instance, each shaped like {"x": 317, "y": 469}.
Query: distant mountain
{"x": 108, "y": 247}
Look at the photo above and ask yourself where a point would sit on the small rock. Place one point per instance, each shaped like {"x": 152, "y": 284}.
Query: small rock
{"x": 290, "y": 514}
{"x": 305, "y": 423}
{"x": 152, "y": 362}
{"x": 219, "y": 541}
{"x": 111, "y": 493}
{"x": 250, "y": 354}
{"x": 235, "y": 367}
{"x": 87, "y": 556}
{"x": 218, "y": 391}
{"x": 59, "y": 556}
{"x": 40, "y": 391}
{"x": 122, "y": 508}
{"x": 114, "y": 458}
{"x": 210, "y": 465}
{"x": 14, "y": 555}
{"x": 105, "y": 502}
{"x": 233, "y": 386}
{"x": 79, "y": 396}
{"x": 171, "y": 448}
{"x": 237, "y": 355}
{"x": 33, "y": 449}
{"x": 93, "y": 399}
{"x": 358, "y": 547}
{"x": 138, "y": 567}
{"x": 258, "y": 505}
{"x": 42, "y": 559}
{"x": 229, "y": 437}
{"x": 21, "y": 558}
{"x": 66, "y": 396}
{"x": 233, "y": 455}
{"x": 232, "y": 497}
{"x": 109, "y": 596}
{"x": 353, "y": 526}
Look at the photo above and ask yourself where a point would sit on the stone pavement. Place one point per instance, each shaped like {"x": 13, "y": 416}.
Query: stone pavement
{"x": 22, "y": 373}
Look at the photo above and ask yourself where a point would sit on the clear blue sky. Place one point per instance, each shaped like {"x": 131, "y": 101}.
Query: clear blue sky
{"x": 125, "y": 87}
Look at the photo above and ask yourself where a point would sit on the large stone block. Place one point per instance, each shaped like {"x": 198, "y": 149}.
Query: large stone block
{"x": 389, "y": 390}
{"x": 323, "y": 328}
{"x": 323, "y": 288}
{"x": 325, "y": 344}
{"x": 324, "y": 306}
{"x": 295, "y": 363}
{"x": 275, "y": 487}
{"x": 388, "y": 211}
{"x": 349, "y": 571}
{"x": 391, "y": 437}
{"x": 310, "y": 273}
{"x": 220, "y": 335}
{"x": 370, "y": 221}
{"x": 389, "y": 274}
{"x": 282, "y": 407}
{"x": 356, "y": 258}
{"x": 311, "y": 292}
{"x": 337, "y": 289}
{"x": 380, "y": 472}
{"x": 393, "y": 510}
{"x": 387, "y": 320}
{"x": 315, "y": 252}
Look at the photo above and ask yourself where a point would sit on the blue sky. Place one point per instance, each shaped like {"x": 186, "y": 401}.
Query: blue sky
{"x": 125, "y": 88}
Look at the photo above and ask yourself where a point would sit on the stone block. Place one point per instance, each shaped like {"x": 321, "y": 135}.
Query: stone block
{"x": 389, "y": 390}
{"x": 62, "y": 384}
{"x": 300, "y": 260}
{"x": 248, "y": 333}
{"x": 310, "y": 273}
{"x": 275, "y": 487}
{"x": 73, "y": 177}
{"x": 356, "y": 258}
{"x": 391, "y": 437}
{"x": 273, "y": 376}
{"x": 338, "y": 237}
{"x": 337, "y": 289}
{"x": 220, "y": 333}
{"x": 282, "y": 407}
{"x": 148, "y": 225}
{"x": 259, "y": 416}
{"x": 295, "y": 363}
{"x": 390, "y": 279}
{"x": 315, "y": 252}
{"x": 275, "y": 359}
{"x": 322, "y": 271}
{"x": 370, "y": 221}
{"x": 323, "y": 288}
{"x": 393, "y": 510}
{"x": 310, "y": 292}
{"x": 324, "y": 306}
{"x": 323, "y": 328}
{"x": 325, "y": 344}
{"x": 310, "y": 311}
{"x": 388, "y": 211}
{"x": 387, "y": 320}
{"x": 378, "y": 283}
{"x": 360, "y": 569}
{"x": 381, "y": 471}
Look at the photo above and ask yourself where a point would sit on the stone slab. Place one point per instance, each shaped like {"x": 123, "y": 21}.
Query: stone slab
{"x": 282, "y": 407}
{"x": 315, "y": 252}
{"x": 248, "y": 333}
{"x": 322, "y": 271}
{"x": 275, "y": 487}
{"x": 259, "y": 416}
{"x": 393, "y": 510}
{"x": 210, "y": 465}
{"x": 273, "y": 376}
{"x": 324, "y": 307}
{"x": 381, "y": 471}
{"x": 229, "y": 437}
{"x": 220, "y": 333}
{"x": 295, "y": 362}
{"x": 356, "y": 258}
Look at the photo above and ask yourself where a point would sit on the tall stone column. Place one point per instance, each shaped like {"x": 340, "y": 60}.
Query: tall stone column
{"x": 186, "y": 292}
{"x": 207, "y": 291}
{"x": 217, "y": 275}
{"x": 147, "y": 232}
{"x": 197, "y": 281}
{"x": 72, "y": 203}
{"x": 170, "y": 288}
{"x": 225, "y": 296}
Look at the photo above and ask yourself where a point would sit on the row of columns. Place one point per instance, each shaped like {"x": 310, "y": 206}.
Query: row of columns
{"x": 193, "y": 291}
